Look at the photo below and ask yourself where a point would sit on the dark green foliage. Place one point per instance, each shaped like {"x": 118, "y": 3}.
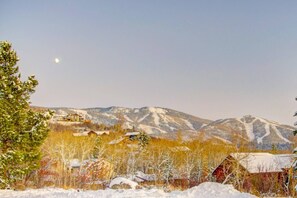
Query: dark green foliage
{"x": 22, "y": 130}
{"x": 97, "y": 151}
{"x": 143, "y": 140}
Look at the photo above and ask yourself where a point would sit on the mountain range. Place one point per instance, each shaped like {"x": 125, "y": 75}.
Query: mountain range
{"x": 165, "y": 122}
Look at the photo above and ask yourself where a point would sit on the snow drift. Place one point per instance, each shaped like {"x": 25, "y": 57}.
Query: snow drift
{"x": 204, "y": 190}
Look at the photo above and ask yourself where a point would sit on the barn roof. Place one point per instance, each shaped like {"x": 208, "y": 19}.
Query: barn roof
{"x": 264, "y": 162}
{"x": 86, "y": 133}
{"x": 99, "y": 132}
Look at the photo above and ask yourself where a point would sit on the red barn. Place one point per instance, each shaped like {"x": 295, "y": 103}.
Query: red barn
{"x": 258, "y": 171}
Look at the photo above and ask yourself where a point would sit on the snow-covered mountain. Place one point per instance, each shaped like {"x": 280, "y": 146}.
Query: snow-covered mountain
{"x": 153, "y": 120}
{"x": 166, "y": 122}
{"x": 259, "y": 131}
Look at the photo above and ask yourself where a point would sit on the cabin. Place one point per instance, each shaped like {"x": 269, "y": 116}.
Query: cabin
{"x": 99, "y": 169}
{"x": 91, "y": 133}
{"x": 97, "y": 133}
{"x": 74, "y": 165}
{"x": 124, "y": 139}
{"x": 256, "y": 170}
{"x": 127, "y": 141}
{"x": 124, "y": 142}
{"x": 93, "y": 169}
{"x": 132, "y": 135}
{"x": 57, "y": 117}
{"x": 74, "y": 117}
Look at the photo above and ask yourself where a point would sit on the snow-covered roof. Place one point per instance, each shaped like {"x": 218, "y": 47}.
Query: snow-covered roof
{"x": 74, "y": 163}
{"x": 132, "y": 133}
{"x": 100, "y": 132}
{"x": 122, "y": 180}
{"x": 264, "y": 162}
{"x": 86, "y": 133}
{"x": 206, "y": 189}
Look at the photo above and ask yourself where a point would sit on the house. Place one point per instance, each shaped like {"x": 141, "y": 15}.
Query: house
{"x": 127, "y": 140}
{"x": 91, "y": 133}
{"x": 74, "y": 164}
{"x": 99, "y": 169}
{"x": 57, "y": 117}
{"x": 132, "y": 135}
{"x": 254, "y": 170}
{"x": 74, "y": 117}
{"x": 98, "y": 133}
{"x": 93, "y": 169}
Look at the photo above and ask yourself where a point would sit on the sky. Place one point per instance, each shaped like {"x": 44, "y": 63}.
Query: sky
{"x": 212, "y": 59}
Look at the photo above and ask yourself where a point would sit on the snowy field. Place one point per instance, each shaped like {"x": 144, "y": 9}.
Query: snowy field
{"x": 204, "y": 190}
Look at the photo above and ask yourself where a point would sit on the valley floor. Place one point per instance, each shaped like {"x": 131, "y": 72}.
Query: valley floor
{"x": 204, "y": 190}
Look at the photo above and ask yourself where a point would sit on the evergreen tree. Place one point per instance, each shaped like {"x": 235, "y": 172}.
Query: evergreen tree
{"x": 143, "y": 140}
{"x": 22, "y": 130}
{"x": 98, "y": 148}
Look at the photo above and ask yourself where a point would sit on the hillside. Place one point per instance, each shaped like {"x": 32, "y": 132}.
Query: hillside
{"x": 167, "y": 122}
{"x": 258, "y": 131}
{"x": 153, "y": 120}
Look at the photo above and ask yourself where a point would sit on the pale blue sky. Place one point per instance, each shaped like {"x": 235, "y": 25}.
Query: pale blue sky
{"x": 212, "y": 59}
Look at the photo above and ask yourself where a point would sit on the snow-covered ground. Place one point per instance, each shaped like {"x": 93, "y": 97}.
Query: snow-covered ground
{"x": 204, "y": 190}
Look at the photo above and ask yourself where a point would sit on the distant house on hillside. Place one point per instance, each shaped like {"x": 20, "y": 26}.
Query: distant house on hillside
{"x": 98, "y": 133}
{"x": 91, "y": 133}
{"x": 74, "y": 117}
{"x": 132, "y": 135}
{"x": 126, "y": 140}
{"x": 57, "y": 117}
{"x": 254, "y": 170}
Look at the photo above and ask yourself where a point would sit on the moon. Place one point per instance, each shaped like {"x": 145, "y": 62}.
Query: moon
{"x": 57, "y": 60}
